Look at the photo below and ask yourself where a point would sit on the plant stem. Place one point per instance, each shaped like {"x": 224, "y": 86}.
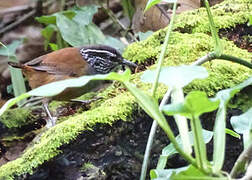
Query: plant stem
{"x": 212, "y": 56}
{"x": 116, "y": 20}
{"x": 151, "y": 138}
{"x": 199, "y": 145}
{"x": 177, "y": 96}
{"x": 236, "y": 60}
{"x": 218, "y": 47}
{"x": 153, "y": 91}
{"x": 162, "y": 54}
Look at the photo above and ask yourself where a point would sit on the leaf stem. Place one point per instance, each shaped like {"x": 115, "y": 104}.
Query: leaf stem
{"x": 199, "y": 145}
{"x": 218, "y": 47}
{"x": 162, "y": 54}
{"x": 212, "y": 56}
{"x": 153, "y": 91}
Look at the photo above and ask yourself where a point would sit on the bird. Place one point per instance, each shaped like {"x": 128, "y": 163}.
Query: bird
{"x": 71, "y": 62}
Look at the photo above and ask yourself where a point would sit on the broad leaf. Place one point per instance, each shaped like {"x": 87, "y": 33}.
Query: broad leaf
{"x": 220, "y": 123}
{"x": 55, "y": 88}
{"x": 113, "y": 42}
{"x": 79, "y": 35}
{"x": 176, "y": 76}
{"x": 192, "y": 173}
{"x": 243, "y": 122}
{"x": 47, "y": 33}
{"x": 16, "y": 74}
{"x": 243, "y": 125}
{"x": 144, "y": 35}
{"x": 158, "y": 174}
{"x": 195, "y": 104}
{"x": 51, "y": 19}
{"x": 170, "y": 150}
{"x": 10, "y": 50}
{"x": 149, "y": 104}
{"x": 84, "y": 15}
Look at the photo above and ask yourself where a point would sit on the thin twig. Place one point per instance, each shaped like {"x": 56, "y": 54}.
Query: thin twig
{"x": 15, "y": 9}
{"x": 18, "y": 22}
{"x": 117, "y": 21}
{"x": 26, "y": 16}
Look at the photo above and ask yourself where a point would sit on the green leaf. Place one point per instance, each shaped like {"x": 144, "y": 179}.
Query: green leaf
{"x": 16, "y": 74}
{"x": 243, "y": 122}
{"x": 47, "y": 33}
{"x": 170, "y": 150}
{"x": 79, "y": 35}
{"x": 11, "y": 102}
{"x": 218, "y": 49}
{"x": 149, "y": 105}
{"x": 232, "y": 133}
{"x": 195, "y": 104}
{"x": 51, "y": 19}
{"x": 54, "y": 46}
{"x": 10, "y": 49}
{"x": 192, "y": 173}
{"x": 128, "y": 8}
{"x": 75, "y": 35}
{"x": 177, "y": 76}
{"x": 84, "y": 15}
{"x": 151, "y": 3}
{"x": 55, "y": 88}
{"x": 220, "y": 123}
{"x": 144, "y": 35}
{"x": 164, "y": 174}
{"x": 113, "y": 42}
{"x": 243, "y": 125}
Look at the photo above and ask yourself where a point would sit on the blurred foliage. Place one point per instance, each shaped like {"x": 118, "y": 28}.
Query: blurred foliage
{"x": 75, "y": 27}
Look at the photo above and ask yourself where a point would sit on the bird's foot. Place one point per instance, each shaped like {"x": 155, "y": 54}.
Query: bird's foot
{"x": 50, "y": 122}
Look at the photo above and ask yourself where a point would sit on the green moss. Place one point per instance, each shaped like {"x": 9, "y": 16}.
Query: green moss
{"x": 119, "y": 104}
{"x": 227, "y": 14}
{"x": 14, "y": 118}
{"x": 186, "y": 48}
{"x": 119, "y": 107}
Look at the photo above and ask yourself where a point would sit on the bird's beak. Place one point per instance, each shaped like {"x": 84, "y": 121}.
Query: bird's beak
{"x": 128, "y": 63}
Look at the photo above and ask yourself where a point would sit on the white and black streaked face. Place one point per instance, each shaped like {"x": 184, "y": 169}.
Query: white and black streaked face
{"x": 103, "y": 59}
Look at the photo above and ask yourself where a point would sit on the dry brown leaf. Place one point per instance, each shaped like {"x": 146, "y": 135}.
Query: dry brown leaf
{"x": 155, "y": 19}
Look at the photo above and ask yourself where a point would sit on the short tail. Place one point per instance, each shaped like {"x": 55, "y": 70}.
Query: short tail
{"x": 16, "y": 65}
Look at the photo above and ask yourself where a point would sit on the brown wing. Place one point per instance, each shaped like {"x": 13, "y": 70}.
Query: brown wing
{"x": 58, "y": 65}
{"x": 67, "y": 61}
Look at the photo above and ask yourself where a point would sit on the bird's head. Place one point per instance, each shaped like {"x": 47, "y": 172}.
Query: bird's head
{"x": 103, "y": 59}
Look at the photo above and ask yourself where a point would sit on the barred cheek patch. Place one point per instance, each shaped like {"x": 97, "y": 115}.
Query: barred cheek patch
{"x": 103, "y": 61}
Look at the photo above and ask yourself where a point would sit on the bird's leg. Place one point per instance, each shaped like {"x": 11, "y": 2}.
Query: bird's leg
{"x": 51, "y": 121}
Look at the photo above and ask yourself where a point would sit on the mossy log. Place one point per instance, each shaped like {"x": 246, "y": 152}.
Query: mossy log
{"x": 183, "y": 48}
